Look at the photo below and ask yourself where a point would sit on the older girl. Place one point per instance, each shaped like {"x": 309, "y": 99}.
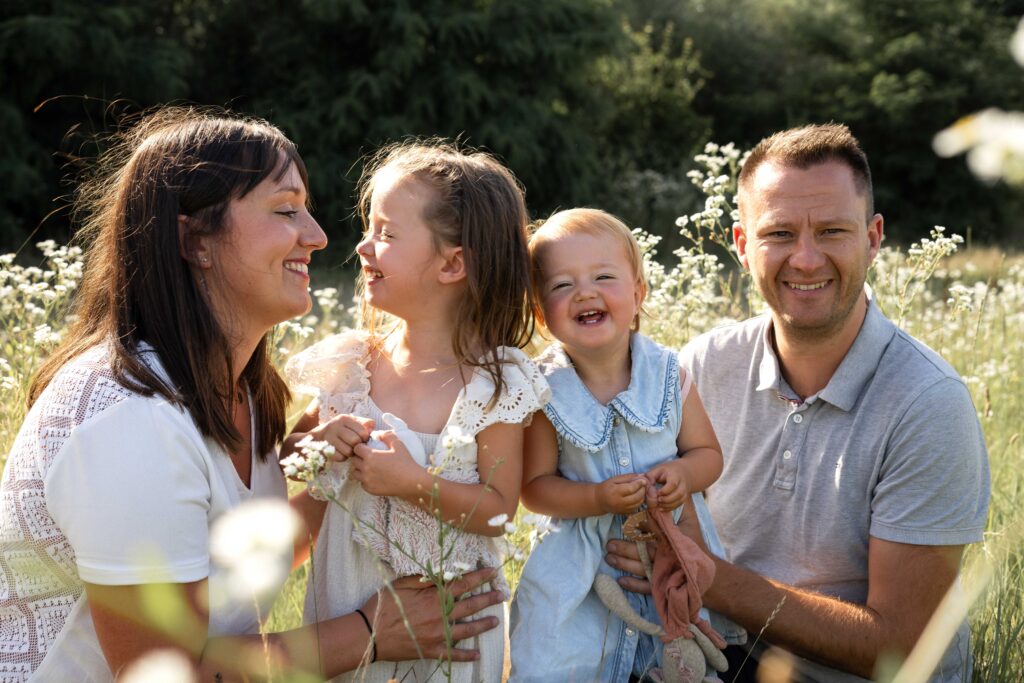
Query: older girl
{"x": 444, "y": 254}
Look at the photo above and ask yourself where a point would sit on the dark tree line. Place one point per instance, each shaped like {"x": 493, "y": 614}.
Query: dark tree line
{"x": 597, "y": 102}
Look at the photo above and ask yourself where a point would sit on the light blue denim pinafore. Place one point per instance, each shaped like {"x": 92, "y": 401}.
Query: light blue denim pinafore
{"x": 560, "y": 630}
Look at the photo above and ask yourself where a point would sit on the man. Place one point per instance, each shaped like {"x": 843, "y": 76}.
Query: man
{"x": 855, "y": 470}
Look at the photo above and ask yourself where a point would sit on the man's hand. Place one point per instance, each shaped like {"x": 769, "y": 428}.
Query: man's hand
{"x": 624, "y": 556}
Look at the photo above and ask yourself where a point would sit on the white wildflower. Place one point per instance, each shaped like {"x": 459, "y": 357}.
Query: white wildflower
{"x": 159, "y": 666}
{"x": 498, "y": 520}
{"x": 253, "y": 544}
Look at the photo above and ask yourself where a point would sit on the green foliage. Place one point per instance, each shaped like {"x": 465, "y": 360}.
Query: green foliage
{"x": 897, "y": 72}
{"x": 590, "y": 102}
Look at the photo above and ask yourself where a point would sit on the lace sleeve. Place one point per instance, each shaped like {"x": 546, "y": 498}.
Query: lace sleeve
{"x": 525, "y": 392}
{"x": 331, "y": 370}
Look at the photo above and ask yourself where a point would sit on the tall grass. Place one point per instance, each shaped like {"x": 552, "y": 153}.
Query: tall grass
{"x": 969, "y": 310}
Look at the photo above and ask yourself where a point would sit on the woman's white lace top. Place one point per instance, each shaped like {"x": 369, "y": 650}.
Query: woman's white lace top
{"x": 403, "y": 535}
{"x": 39, "y": 582}
{"x": 87, "y": 495}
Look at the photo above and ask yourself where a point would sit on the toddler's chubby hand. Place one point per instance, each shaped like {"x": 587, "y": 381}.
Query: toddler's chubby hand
{"x": 622, "y": 494}
{"x": 670, "y": 480}
{"x": 344, "y": 432}
{"x": 387, "y": 471}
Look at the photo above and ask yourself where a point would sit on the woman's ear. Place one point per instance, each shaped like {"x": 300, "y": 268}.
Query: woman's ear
{"x": 193, "y": 246}
{"x": 453, "y": 269}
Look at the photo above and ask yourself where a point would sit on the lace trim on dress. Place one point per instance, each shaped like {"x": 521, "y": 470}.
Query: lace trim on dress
{"x": 399, "y": 533}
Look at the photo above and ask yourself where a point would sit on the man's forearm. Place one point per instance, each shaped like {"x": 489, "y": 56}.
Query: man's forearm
{"x": 840, "y": 634}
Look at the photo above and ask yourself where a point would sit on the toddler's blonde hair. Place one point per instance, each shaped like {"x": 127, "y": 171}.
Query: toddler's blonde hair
{"x": 591, "y": 222}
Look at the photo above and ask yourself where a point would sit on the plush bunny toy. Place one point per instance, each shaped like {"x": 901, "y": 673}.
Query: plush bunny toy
{"x": 693, "y": 652}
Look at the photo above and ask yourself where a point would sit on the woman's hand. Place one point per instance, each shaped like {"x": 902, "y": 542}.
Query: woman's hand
{"x": 622, "y": 494}
{"x": 418, "y": 602}
{"x": 390, "y": 471}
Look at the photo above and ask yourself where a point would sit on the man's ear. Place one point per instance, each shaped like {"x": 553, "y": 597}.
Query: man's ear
{"x": 453, "y": 269}
{"x": 193, "y": 246}
{"x": 876, "y": 231}
{"x": 739, "y": 238}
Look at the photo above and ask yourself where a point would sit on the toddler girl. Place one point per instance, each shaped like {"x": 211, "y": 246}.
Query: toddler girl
{"x": 621, "y": 414}
{"x": 444, "y": 256}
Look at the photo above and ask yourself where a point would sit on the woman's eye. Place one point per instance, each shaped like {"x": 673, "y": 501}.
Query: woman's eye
{"x": 288, "y": 214}
{"x": 605, "y": 277}
{"x": 559, "y": 285}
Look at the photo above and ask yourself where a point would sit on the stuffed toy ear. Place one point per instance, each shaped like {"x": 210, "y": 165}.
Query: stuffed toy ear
{"x": 610, "y": 592}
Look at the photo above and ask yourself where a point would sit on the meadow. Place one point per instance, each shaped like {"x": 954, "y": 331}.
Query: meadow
{"x": 966, "y": 304}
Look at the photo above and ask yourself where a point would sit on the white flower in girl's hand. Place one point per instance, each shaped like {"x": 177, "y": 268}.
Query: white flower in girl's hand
{"x": 497, "y": 520}
{"x": 456, "y": 437}
{"x": 309, "y": 461}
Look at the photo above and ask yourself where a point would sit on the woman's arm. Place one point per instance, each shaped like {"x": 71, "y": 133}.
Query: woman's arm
{"x": 133, "y": 620}
{"x": 393, "y": 472}
{"x": 547, "y": 492}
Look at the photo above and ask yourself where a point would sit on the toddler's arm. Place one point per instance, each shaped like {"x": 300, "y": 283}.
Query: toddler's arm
{"x": 700, "y": 457}
{"x": 547, "y": 492}
{"x": 393, "y": 472}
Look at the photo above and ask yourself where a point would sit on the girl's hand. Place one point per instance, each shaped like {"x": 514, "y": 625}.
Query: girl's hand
{"x": 344, "y": 432}
{"x": 623, "y": 494}
{"x": 670, "y": 477}
{"x": 390, "y": 471}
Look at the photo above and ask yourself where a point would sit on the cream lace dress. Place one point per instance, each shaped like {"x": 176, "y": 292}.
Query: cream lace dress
{"x": 366, "y": 540}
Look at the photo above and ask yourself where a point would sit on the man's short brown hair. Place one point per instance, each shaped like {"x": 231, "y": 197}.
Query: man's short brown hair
{"x": 808, "y": 146}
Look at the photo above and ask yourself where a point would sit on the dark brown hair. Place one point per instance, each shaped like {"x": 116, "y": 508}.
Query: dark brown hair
{"x": 808, "y": 146}
{"x": 138, "y": 288}
{"x": 476, "y": 204}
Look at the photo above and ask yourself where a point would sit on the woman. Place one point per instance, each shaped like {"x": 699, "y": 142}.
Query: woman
{"x": 161, "y": 411}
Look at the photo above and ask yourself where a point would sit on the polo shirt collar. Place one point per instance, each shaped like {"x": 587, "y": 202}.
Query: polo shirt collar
{"x": 581, "y": 419}
{"x": 853, "y": 373}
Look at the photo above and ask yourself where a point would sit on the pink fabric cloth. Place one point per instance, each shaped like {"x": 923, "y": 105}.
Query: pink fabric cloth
{"x": 681, "y": 574}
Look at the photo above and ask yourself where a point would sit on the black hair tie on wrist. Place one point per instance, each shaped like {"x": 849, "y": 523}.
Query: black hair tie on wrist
{"x": 373, "y": 640}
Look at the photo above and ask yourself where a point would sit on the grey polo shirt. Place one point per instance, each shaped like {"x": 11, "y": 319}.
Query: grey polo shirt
{"x": 890, "y": 448}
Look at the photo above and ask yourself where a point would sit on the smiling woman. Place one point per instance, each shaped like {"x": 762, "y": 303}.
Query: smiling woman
{"x": 161, "y": 413}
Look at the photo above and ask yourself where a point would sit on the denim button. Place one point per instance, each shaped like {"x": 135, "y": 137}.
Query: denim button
{"x": 787, "y": 454}
{"x": 623, "y": 461}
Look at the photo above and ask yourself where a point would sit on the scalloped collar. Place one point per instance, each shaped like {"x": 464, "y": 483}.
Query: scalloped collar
{"x": 581, "y": 419}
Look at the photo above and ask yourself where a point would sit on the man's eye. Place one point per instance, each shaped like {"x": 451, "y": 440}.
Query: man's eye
{"x": 288, "y": 214}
